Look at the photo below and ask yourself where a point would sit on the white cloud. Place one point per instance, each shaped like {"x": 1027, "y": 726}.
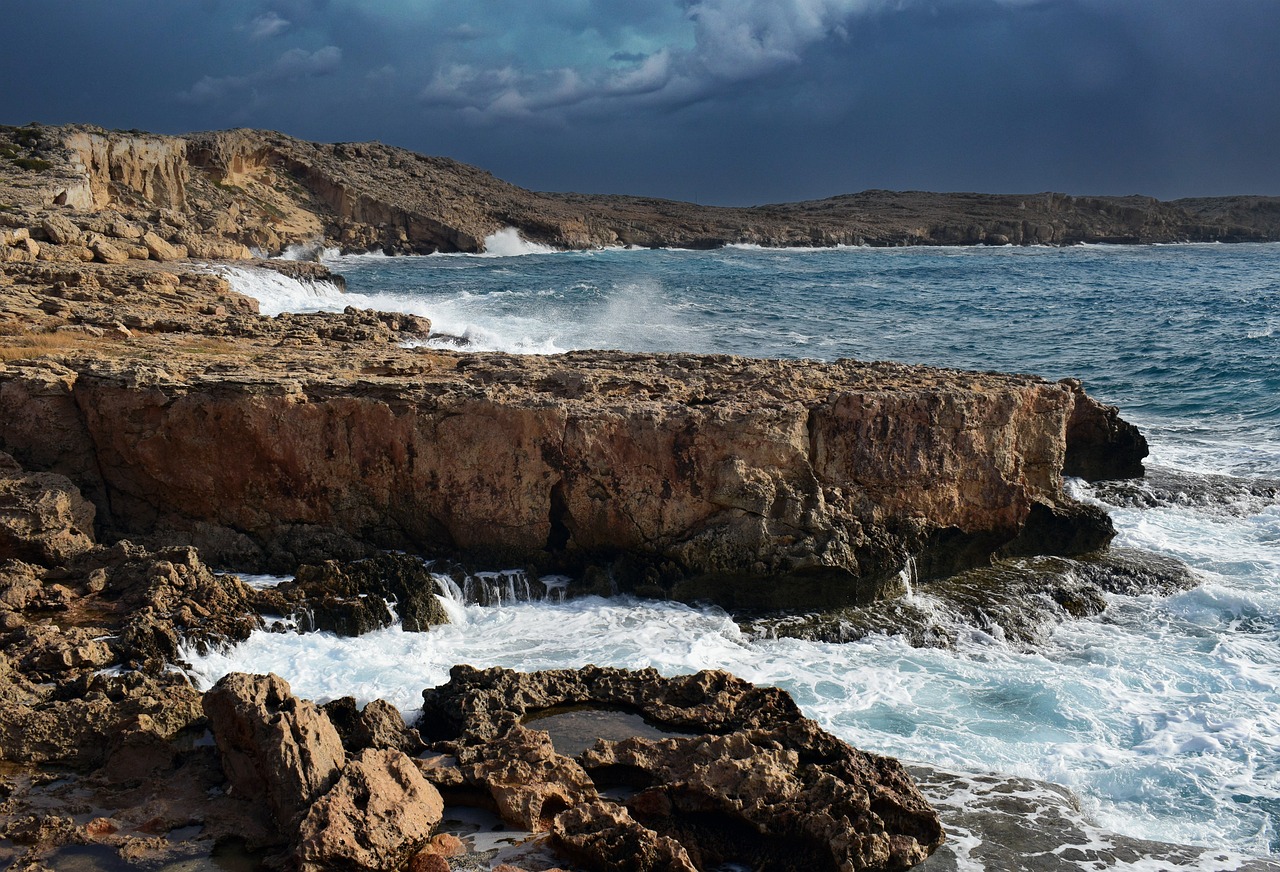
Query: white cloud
{"x": 268, "y": 25}
{"x": 294, "y": 64}
{"x": 733, "y": 41}
{"x": 297, "y": 63}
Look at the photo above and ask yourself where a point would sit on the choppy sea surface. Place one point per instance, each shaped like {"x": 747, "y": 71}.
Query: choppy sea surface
{"x": 1162, "y": 714}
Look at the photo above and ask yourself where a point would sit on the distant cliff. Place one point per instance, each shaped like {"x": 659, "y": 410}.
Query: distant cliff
{"x": 213, "y": 194}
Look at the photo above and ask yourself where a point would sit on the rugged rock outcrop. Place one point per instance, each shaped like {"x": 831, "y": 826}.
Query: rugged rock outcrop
{"x": 275, "y": 747}
{"x": 377, "y": 725}
{"x": 380, "y": 813}
{"x": 212, "y": 195}
{"x": 755, "y": 483}
{"x": 753, "y": 782}
{"x": 43, "y": 517}
{"x": 270, "y": 442}
{"x": 352, "y": 598}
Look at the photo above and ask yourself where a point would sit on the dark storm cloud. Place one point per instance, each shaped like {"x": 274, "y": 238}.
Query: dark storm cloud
{"x": 722, "y": 100}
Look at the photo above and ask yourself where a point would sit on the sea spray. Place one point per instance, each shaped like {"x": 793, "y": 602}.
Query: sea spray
{"x": 508, "y": 242}
{"x": 277, "y": 292}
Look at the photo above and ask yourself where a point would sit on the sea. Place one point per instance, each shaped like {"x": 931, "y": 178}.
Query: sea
{"x": 1161, "y": 714}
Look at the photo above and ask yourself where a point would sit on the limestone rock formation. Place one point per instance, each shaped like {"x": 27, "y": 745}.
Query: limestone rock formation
{"x": 758, "y": 484}
{"x": 218, "y": 194}
{"x": 603, "y": 835}
{"x": 274, "y": 746}
{"x": 380, "y": 813}
{"x": 352, "y": 598}
{"x": 43, "y": 517}
{"x": 378, "y": 725}
{"x": 753, "y": 781}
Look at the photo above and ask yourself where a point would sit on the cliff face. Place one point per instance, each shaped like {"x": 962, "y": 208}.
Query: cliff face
{"x": 153, "y": 168}
{"x": 757, "y": 483}
{"x": 212, "y": 194}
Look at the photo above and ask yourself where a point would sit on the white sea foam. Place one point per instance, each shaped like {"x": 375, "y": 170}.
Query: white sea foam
{"x": 263, "y": 581}
{"x": 795, "y": 249}
{"x": 1158, "y": 750}
{"x": 276, "y": 292}
{"x": 508, "y": 242}
{"x": 312, "y": 251}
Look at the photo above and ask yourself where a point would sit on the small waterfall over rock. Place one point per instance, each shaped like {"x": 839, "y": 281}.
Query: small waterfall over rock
{"x": 497, "y": 588}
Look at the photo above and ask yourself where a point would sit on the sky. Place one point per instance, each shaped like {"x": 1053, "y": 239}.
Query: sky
{"x": 729, "y": 102}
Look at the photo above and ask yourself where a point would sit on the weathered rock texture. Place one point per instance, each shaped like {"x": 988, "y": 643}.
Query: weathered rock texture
{"x": 690, "y": 476}
{"x": 210, "y": 195}
{"x": 274, "y": 746}
{"x": 755, "y": 783}
{"x": 379, "y": 814}
{"x": 43, "y": 517}
{"x": 355, "y": 597}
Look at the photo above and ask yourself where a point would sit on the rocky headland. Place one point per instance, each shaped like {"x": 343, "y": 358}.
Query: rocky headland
{"x": 217, "y": 195}
{"x": 153, "y": 425}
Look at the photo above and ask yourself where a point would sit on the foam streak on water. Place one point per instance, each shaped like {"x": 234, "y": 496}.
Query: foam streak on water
{"x": 1161, "y": 713}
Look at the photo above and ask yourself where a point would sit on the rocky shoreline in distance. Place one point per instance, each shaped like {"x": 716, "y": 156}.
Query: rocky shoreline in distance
{"x": 216, "y": 195}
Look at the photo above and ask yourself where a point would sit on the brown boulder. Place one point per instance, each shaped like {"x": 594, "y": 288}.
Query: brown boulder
{"x": 105, "y": 252}
{"x": 380, "y": 813}
{"x": 528, "y": 781}
{"x": 59, "y": 230}
{"x": 158, "y": 248}
{"x": 43, "y": 517}
{"x": 602, "y": 835}
{"x": 21, "y": 585}
{"x": 379, "y": 725}
{"x": 274, "y": 746}
{"x": 428, "y": 860}
{"x": 215, "y": 249}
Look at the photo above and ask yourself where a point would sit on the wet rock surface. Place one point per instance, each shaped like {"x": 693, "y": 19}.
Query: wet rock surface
{"x": 1170, "y": 487}
{"x": 1016, "y": 601}
{"x": 755, "y": 766}
{"x": 275, "y": 748}
{"x": 352, "y": 598}
{"x": 1001, "y": 822}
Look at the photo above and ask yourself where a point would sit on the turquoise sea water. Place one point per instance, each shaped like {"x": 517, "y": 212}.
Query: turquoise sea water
{"x": 1162, "y": 713}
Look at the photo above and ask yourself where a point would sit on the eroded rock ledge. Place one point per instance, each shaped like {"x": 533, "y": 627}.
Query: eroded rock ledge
{"x": 754, "y": 483}
{"x": 753, "y": 781}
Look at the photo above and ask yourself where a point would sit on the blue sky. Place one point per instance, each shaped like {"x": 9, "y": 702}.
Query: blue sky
{"x": 722, "y": 101}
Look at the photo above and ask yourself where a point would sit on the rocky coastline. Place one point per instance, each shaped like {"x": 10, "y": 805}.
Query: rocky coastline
{"x": 154, "y": 425}
{"x": 220, "y": 194}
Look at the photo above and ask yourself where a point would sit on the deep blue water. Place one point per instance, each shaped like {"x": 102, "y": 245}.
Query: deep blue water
{"x": 1163, "y": 713}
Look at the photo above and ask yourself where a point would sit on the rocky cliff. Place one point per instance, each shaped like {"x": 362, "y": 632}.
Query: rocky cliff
{"x": 755, "y": 483}
{"x": 213, "y": 194}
